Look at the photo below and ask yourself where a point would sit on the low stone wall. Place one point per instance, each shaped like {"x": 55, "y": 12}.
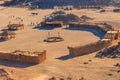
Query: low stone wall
{"x": 90, "y": 48}
{"x": 110, "y": 36}
{"x": 34, "y": 59}
{"x": 102, "y": 27}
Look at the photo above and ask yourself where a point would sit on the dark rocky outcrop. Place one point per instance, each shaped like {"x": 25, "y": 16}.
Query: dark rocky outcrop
{"x": 111, "y": 52}
{"x": 52, "y": 3}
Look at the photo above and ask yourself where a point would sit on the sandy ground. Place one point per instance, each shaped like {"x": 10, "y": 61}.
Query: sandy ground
{"x": 58, "y": 62}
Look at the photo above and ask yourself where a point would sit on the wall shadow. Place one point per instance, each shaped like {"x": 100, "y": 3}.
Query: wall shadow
{"x": 43, "y": 28}
{"x": 96, "y": 32}
{"x": 1, "y": 40}
{"x": 66, "y": 57}
{"x": 15, "y": 64}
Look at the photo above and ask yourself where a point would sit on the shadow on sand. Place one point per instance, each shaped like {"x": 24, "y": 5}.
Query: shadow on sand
{"x": 96, "y": 32}
{"x": 15, "y": 64}
{"x": 1, "y": 40}
{"x": 43, "y": 28}
{"x": 66, "y": 57}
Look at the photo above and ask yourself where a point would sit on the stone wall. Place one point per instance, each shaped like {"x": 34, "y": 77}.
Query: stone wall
{"x": 23, "y": 58}
{"x": 103, "y": 27}
{"x": 90, "y": 48}
{"x": 110, "y": 36}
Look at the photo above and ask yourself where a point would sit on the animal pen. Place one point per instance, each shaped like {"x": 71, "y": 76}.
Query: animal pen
{"x": 109, "y": 37}
{"x": 24, "y": 56}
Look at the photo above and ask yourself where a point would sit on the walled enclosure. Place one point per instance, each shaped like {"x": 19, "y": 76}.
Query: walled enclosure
{"x": 110, "y": 36}
{"x": 24, "y": 56}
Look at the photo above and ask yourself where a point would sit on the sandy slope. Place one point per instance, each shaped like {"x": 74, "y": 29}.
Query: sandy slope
{"x": 58, "y": 63}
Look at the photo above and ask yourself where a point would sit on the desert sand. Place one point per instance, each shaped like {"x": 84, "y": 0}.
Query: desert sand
{"x": 58, "y": 63}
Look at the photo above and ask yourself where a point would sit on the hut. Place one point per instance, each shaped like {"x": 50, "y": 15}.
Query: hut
{"x": 7, "y": 35}
{"x": 52, "y": 24}
{"x": 15, "y": 26}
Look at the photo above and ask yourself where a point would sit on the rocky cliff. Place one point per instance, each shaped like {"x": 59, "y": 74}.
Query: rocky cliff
{"x": 76, "y": 3}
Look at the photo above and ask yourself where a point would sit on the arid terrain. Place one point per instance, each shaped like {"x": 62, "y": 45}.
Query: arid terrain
{"x": 58, "y": 62}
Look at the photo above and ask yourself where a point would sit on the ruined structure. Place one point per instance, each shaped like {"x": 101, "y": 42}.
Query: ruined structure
{"x": 7, "y": 35}
{"x": 54, "y": 39}
{"x": 24, "y": 56}
{"x": 89, "y": 48}
{"x": 15, "y": 26}
{"x": 114, "y": 35}
{"x": 59, "y": 8}
{"x": 110, "y": 36}
{"x": 101, "y": 26}
{"x": 91, "y": 7}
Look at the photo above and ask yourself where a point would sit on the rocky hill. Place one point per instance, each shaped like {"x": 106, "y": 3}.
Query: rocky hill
{"x": 76, "y": 3}
{"x": 111, "y": 52}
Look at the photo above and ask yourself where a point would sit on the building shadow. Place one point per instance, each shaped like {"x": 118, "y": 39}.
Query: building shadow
{"x": 66, "y": 57}
{"x": 15, "y": 64}
{"x": 1, "y": 40}
{"x": 96, "y": 32}
{"x": 43, "y": 28}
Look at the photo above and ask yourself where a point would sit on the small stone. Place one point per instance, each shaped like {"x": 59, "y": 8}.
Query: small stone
{"x": 85, "y": 63}
{"x": 110, "y": 74}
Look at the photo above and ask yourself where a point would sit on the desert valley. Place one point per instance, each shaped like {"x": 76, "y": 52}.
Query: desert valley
{"x": 40, "y": 33}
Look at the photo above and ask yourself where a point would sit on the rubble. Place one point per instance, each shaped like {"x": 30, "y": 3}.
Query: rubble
{"x": 85, "y": 18}
{"x": 4, "y": 75}
{"x": 111, "y": 52}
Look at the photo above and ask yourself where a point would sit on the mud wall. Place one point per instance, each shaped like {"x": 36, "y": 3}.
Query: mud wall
{"x": 90, "y": 48}
{"x": 93, "y": 47}
{"x": 23, "y": 58}
{"x": 101, "y": 27}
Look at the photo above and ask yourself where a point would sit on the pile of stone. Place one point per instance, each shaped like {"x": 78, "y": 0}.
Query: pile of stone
{"x": 116, "y": 10}
{"x": 66, "y": 18}
{"x": 111, "y": 52}
{"x": 102, "y": 10}
{"x": 68, "y": 78}
{"x": 85, "y": 18}
{"x": 59, "y": 13}
{"x": 4, "y": 75}
{"x": 27, "y": 53}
